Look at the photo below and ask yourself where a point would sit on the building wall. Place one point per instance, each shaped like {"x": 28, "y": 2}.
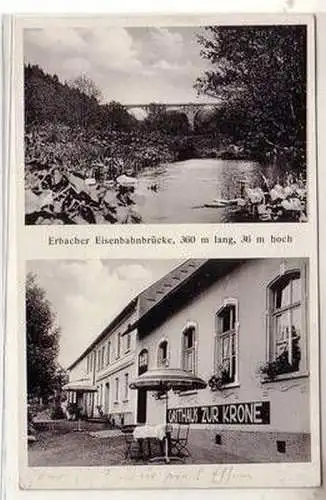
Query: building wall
{"x": 119, "y": 402}
{"x": 289, "y": 399}
{"x": 102, "y": 366}
{"x": 79, "y": 371}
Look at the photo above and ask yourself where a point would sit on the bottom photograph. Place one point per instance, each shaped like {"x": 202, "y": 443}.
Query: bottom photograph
{"x": 138, "y": 362}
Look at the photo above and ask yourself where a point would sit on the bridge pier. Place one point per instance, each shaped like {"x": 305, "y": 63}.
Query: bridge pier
{"x": 190, "y": 109}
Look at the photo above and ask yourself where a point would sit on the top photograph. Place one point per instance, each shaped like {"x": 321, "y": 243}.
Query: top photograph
{"x": 165, "y": 125}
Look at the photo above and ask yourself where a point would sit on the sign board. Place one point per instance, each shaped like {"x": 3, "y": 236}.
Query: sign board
{"x": 252, "y": 413}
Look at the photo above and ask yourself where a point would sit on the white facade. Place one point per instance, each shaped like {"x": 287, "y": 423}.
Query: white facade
{"x": 247, "y": 289}
{"x": 241, "y": 326}
{"x": 109, "y": 364}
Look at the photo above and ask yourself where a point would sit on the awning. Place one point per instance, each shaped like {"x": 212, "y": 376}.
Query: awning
{"x": 167, "y": 378}
{"x": 80, "y": 386}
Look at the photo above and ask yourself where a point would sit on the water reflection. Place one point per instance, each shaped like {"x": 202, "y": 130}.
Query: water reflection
{"x": 183, "y": 188}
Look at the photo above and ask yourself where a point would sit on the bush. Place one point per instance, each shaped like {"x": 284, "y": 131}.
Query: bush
{"x": 57, "y": 413}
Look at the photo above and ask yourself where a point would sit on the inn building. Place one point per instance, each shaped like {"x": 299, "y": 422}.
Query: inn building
{"x": 240, "y": 325}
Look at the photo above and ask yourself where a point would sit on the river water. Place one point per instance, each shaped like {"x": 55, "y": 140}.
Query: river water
{"x": 184, "y": 187}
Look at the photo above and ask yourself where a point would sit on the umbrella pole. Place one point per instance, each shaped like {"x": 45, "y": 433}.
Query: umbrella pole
{"x": 167, "y": 459}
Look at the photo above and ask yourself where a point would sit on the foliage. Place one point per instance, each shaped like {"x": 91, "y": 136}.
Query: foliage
{"x": 284, "y": 201}
{"x": 159, "y": 395}
{"x": 57, "y": 413}
{"x": 44, "y": 375}
{"x": 173, "y": 123}
{"x": 73, "y": 104}
{"x": 30, "y": 417}
{"x": 75, "y": 411}
{"x": 281, "y": 365}
{"x": 259, "y": 76}
{"x": 86, "y": 86}
{"x": 219, "y": 379}
{"x": 87, "y": 140}
{"x": 118, "y": 117}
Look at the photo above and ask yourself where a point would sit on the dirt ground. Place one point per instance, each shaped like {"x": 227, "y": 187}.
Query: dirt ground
{"x": 62, "y": 447}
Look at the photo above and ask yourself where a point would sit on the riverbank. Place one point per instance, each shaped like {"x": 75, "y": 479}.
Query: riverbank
{"x": 88, "y": 151}
{"x": 71, "y": 178}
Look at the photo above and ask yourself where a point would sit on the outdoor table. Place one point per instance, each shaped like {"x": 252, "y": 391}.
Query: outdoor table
{"x": 147, "y": 432}
{"x": 164, "y": 380}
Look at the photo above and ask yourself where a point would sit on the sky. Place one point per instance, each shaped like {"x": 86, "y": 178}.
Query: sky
{"x": 129, "y": 65}
{"x": 87, "y": 294}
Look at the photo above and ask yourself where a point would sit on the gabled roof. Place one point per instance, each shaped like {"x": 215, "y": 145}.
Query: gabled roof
{"x": 159, "y": 290}
{"x": 147, "y": 299}
{"x": 172, "y": 291}
{"x": 178, "y": 288}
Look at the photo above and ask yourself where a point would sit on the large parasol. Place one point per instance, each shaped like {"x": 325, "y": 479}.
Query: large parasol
{"x": 164, "y": 380}
{"x": 81, "y": 386}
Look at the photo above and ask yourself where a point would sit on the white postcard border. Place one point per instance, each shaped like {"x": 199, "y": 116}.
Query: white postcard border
{"x": 258, "y": 475}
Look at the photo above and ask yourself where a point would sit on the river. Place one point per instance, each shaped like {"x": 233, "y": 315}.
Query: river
{"x": 184, "y": 187}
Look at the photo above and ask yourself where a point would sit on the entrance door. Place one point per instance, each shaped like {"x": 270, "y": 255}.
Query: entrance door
{"x": 107, "y": 399}
{"x": 141, "y": 406}
{"x": 142, "y": 393}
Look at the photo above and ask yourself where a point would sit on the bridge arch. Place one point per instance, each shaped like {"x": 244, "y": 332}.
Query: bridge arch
{"x": 140, "y": 113}
{"x": 189, "y": 109}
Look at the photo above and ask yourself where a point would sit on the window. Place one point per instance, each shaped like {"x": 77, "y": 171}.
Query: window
{"x": 143, "y": 361}
{"x": 188, "y": 348}
{"x": 226, "y": 346}
{"x": 162, "y": 355}
{"x": 126, "y": 387}
{"x": 118, "y": 345}
{"x": 108, "y": 353}
{"x": 98, "y": 366}
{"x": 116, "y": 389}
{"x": 102, "y": 357}
{"x": 286, "y": 320}
{"x": 128, "y": 341}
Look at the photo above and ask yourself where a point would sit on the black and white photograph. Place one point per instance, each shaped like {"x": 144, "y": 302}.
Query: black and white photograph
{"x": 166, "y": 124}
{"x": 198, "y": 361}
{"x": 180, "y": 347}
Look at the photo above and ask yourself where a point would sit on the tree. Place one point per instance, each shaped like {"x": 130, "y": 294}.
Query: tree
{"x": 47, "y": 99}
{"x": 116, "y": 117}
{"x": 44, "y": 374}
{"x": 259, "y": 73}
{"x": 170, "y": 122}
{"x": 86, "y": 86}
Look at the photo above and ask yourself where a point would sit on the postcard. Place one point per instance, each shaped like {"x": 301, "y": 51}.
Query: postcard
{"x": 167, "y": 267}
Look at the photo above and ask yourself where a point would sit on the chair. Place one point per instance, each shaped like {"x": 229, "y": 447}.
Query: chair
{"x": 179, "y": 441}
